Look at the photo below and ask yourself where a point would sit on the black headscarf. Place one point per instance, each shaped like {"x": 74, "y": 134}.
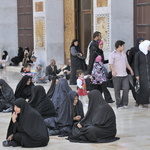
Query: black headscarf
{"x": 34, "y": 129}
{"x": 61, "y": 91}
{"x": 138, "y": 40}
{"x": 78, "y": 108}
{"x": 7, "y": 92}
{"x": 41, "y": 102}
{"x": 20, "y": 53}
{"x": 76, "y": 47}
{"x": 23, "y": 90}
{"x": 99, "y": 112}
{"x": 98, "y": 125}
{"x": 5, "y": 55}
{"x": 52, "y": 87}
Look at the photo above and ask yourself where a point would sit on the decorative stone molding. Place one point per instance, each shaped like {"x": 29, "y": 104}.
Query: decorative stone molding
{"x": 102, "y": 3}
{"x": 69, "y": 25}
{"x": 102, "y": 25}
{"x": 39, "y": 32}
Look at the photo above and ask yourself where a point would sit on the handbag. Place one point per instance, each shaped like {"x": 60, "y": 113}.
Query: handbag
{"x": 137, "y": 86}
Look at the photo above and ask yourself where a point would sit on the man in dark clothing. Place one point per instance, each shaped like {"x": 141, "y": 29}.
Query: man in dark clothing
{"x": 92, "y": 48}
{"x": 51, "y": 70}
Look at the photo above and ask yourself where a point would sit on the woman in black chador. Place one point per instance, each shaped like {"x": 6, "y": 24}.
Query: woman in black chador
{"x": 60, "y": 124}
{"x": 17, "y": 59}
{"x": 26, "y": 128}
{"x": 142, "y": 73}
{"x": 41, "y": 102}
{"x": 70, "y": 111}
{"x": 76, "y": 107}
{"x": 23, "y": 89}
{"x": 98, "y": 125}
{"x": 77, "y": 61}
{"x": 7, "y": 97}
{"x": 51, "y": 90}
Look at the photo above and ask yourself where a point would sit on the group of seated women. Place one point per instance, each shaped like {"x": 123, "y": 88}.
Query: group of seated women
{"x": 36, "y": 115}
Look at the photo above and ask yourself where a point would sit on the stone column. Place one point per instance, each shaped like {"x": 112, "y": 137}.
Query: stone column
{"x": 8, "y": 27}
{"x": 49, "y": 30}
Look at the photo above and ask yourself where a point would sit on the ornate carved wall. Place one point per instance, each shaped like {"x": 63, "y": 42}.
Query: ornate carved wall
{"x": 102, "y": 25}
{"x": 69, "y": 25}
{"x": 40, "y": 32}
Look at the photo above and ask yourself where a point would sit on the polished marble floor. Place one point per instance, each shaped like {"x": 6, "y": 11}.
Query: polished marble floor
{"x": 133, "y": 125}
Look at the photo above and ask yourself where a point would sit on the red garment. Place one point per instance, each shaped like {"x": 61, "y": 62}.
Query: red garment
{"x": 82, "y": 92}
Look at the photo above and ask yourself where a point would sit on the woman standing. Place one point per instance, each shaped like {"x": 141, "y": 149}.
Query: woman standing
{"x": 26, "y": 128}
{"x": 77, "y": 61}
{"x": 99, "y": 123}
{"x": 142, "y": 73}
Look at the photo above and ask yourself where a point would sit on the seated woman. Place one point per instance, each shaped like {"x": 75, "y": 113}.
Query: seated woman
{"x": 5, "y": 60}
{"x": 98, "y": 125}
{"x": 7, "y": 97}
{"x": 60, "y": 124}
{"x": 70, "y": 111}
{"x": 51, "y": 90}
{"x": 76, "y": 107}
{"x": 23, "y": 89}
{"x": 17, "y": 59}
{"x": 26, "y": 128}
{"x": 41, "y": 102}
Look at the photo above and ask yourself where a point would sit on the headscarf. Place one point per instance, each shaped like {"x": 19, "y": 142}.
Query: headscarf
{"x": 41, "y": 102}
{"x": 76, "y": 47}
{"x": 99, "y": 112}
{"x": 7, "y": 92}
{"x": 78, "y": 107}
{"x": 138, "y": 41}
{"x": 100, "y": 42}
{"x": 61, "y": 104}
{"x": 61, "y": 91}
{"x": 144, "y": 46}
{"x": 5, "y": 55}
{"x": 34, "y": 129}
{"x": 22, "y": 87}
{"x": 52, "y": 87}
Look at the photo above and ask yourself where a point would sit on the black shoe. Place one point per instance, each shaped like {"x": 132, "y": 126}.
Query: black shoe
{"x": 111, "y": 101}
{"x": 6, "y": 143}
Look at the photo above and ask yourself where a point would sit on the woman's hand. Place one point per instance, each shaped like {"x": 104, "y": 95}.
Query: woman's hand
{"x": 137, "y": 77}
{"x": 14, "y": 117}
{"x": 10, "y": 137}
{"x": 77, "y": 117}
{"x": 79, "y": 125}
{"x": 27, "y": 100}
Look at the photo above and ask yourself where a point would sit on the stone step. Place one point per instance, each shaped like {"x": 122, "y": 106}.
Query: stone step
{"x": 14, "y": 68}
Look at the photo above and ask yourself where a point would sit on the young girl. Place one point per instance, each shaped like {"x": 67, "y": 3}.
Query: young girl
{"x": 98, "y": 73}
{"x": 81, "y": 85}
